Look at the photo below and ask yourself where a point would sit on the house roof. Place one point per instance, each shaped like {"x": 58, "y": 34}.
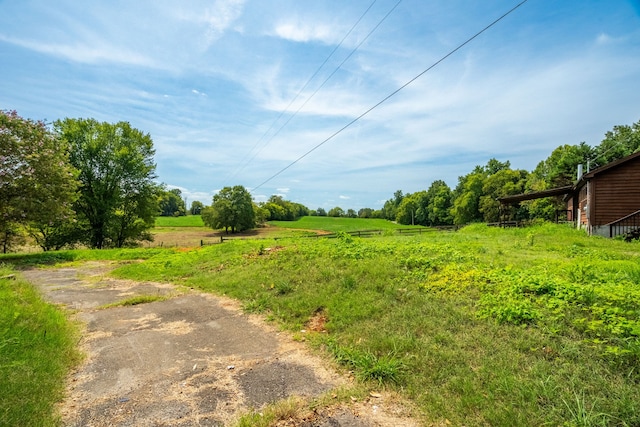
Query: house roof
{"x": 604, "y": 168}
{"x": 536, "y": 195}
{"x": 568, "y": 189}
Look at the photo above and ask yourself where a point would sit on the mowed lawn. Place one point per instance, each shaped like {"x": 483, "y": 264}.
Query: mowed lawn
{"x": 180, "y": 221}
{"x": 332, "y": 224}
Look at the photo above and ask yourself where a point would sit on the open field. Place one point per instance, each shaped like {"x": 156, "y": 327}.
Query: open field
{"x": 333, "y": 225}
{"x": 180, "y": 221}
{"x": 189, "y": 231}
{"x": 484, "y": 326}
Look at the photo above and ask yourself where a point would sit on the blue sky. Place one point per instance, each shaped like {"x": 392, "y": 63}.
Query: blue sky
{"x": 213, "y": 82}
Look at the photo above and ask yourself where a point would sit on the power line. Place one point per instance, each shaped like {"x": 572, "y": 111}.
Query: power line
{"x": 243, "y": 163}
{"x": 326, "y": 80}
{"x": 392, "y": 94}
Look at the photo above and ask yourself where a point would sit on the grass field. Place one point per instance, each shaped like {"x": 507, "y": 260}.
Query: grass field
{"x": 484, "y": 326}
{"x": 37, "y": 350}
{"x": 179, "y": 221}
{"x": 333, "y": 225}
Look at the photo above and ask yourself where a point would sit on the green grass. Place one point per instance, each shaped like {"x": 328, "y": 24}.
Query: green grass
{"x": 37, "y": 350}
{"x": 139, "y": 299}
{"x": 484, "y": 326}
{"x": 180, "y": 221}
{"x": 536, "y": 326}
{"x": 339, "y": 224}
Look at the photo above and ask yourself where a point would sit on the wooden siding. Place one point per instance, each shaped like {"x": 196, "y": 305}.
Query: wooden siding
{"x": 582, "y": 206}
{"x": 615, "y": 193}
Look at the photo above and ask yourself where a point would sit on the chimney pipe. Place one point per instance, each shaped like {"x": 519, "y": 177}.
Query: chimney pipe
{"x": 579, "y": 171}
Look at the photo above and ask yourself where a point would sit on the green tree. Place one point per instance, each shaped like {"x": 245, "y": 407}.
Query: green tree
{"x": 365, "y": 213}
{"x": 390, "y": 208}
{"x": 117, "y": 201}
{"x": 351, "y": 213}
{"x": 321, "y": 212}
{"x": 232, "y": 208}
{"x": 196, "y": 207}
{"x": 619, "y": 142}
{"x": 412, "y": 209}
{"x": 505, "y": 182}
{"x": 171, "y": 203}
{"x": 37, "y": 183}
{"x": 439, "y": 197}
{"x": 336, "y": 212}
{"x": 466, "y": 203}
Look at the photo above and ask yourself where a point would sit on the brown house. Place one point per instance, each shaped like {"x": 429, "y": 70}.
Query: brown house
{"x": 604, "y": 201}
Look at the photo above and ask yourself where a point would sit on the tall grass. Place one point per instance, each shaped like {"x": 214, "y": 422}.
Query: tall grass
{"x": 37, "y": 349}
{"x": 479, "y": 327}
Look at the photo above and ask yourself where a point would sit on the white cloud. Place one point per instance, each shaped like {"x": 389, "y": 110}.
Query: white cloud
{"x": 283, "y": 190}
{"x": 305, "y": 32}
{"x": 83, "y": 53}
{"x": 344, "y": 197}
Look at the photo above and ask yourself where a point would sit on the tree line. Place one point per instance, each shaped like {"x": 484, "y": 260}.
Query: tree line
{"x": 84, "y": 182}
{"x": 475, "y": 197}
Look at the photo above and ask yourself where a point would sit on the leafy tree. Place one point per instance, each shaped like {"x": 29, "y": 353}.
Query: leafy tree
{"x": 196, "y": 207}
{"x": 466, "y": 204}
{"x": 505, "y": 182}
{"x": 56, "y": 234}
{"x": 351, "y": 213}
{"x": 284, "y": 210}
{"x": 336, "y": 212}
{"x": 560, "y": 168}
{"x": 365, "y": 213}
{"x": 438, "y": 209}
{"x": 232, "y": 208}
{"x": 261, "y": 214}
{"x": 321, "y": 212}
{"x": 618, "y": 143}
{"x": 412, "y": 209}
{"x": 37, "y": 183}
{"x": 171, "y": 203}
{"x": 390, "y": 208}
{"x": 117, "y": 201}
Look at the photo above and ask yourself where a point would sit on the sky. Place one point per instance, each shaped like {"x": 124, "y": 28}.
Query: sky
{"x": 236, "y": 92}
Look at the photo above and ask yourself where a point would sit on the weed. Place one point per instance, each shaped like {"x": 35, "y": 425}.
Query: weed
{"x": 581, "y": 415}
{"x": 349, "y": 283}
{"x": 138, "y": 299}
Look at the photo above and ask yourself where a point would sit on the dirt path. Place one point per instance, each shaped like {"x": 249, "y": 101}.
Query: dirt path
{"x": 190, "y": 360}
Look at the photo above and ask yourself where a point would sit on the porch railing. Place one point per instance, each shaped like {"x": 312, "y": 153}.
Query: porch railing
{"x": 625, "y": 224}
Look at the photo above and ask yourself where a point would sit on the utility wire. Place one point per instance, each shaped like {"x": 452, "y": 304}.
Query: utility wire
{"x": 392, "y": 94}
{"x": 325, "y": 81}
{"x": 243, "y": 163}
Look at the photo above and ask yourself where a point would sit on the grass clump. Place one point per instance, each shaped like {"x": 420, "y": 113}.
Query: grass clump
{"x": 37, "y": 350}
{"x": 138, "y": 299}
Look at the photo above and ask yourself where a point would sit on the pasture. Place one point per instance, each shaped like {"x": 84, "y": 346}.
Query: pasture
{"x": 484, "y": 326}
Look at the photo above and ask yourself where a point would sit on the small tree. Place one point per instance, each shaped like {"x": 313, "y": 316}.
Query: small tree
{"x": 196, "y": 207}
{"x": 232, "y": 208}
{"x": 336, "y": 212}
{"x": 171, "y": 203}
